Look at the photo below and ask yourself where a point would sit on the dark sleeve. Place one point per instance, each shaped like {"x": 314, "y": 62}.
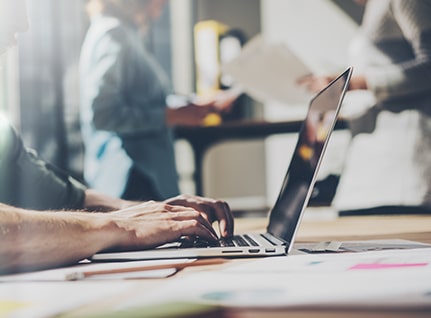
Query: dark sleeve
{"x": 28, "y": 182}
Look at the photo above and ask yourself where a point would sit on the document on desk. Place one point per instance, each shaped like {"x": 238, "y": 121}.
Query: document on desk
{"x": 47, "y": 293}
{"x": 49, "y": 299}
{"x": 115, "y": 271}
{"x": 378, "y": 279}
{"x": 269, "y": 72}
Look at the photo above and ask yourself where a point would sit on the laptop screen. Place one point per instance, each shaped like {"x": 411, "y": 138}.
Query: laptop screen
{"x": 313, "y": 137}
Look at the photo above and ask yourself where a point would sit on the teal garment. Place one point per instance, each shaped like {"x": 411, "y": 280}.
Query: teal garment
{"x": 28, "y": 182}
{"x": 123, "y": 105}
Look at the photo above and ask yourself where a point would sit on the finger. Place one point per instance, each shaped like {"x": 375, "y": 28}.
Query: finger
{"x": 230, "y": 226}
{"x": 193, "y": 227}
{"x": 305, "y": 78}
{"x": 211, "y": 210}
{"x": 191, "y": 214}
{"x": 222, "y": 213}
{"x": 171, "y": 207}
{"x": 216, "y": 210}
{"x": 225, "y": 218}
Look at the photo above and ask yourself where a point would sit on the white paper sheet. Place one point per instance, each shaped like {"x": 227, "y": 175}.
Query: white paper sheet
{"x": 46, "y": 293}
{"x": 38, "y": 299}
{"x": 269, "y": 72}
{"x": 383, "y": 279}
{"x": 60, "y": 273}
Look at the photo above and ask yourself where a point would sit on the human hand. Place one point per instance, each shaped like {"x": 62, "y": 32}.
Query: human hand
{"x": 315, "y": 83}
{"x": 222, "y": 100}
{"x": 189, "y": 115}
{"x": 212, "y": 210}
{"x": 152, "y": 224}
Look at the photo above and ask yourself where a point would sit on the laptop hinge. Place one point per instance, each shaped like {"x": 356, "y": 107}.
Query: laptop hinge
{"x": 273, "y": 240}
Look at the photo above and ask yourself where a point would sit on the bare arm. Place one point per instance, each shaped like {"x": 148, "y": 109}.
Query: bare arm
{"x": 31, "y": 240}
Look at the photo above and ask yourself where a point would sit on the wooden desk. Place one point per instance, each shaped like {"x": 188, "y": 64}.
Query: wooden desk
{"x": 346, "y": 228}
{"x": 203, "y": 138}
{"x": 412, "y": 227}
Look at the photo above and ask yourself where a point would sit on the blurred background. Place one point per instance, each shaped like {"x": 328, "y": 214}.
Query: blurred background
{"x": 245, "y": 173}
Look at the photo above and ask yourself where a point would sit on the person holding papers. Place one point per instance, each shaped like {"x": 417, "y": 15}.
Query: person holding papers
{"x": 389, "y": 165}
{"x": 44, "y": 213}
{"x": 127, "y": 105}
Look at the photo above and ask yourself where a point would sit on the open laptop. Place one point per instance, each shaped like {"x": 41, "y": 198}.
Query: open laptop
{"x": 285, "y": 216}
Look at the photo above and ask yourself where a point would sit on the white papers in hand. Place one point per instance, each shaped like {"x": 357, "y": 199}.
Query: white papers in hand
{"x": 269, "y": 72}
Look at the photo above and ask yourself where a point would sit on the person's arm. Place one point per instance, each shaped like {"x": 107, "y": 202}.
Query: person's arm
{"x": 31, "y": 240}
{"x": 26, "y": 181}
{"x": 315, "y": 83}
{"x": 193, "y": 111}
{"x": 188, "y": 115}
{"x": 407, "y": 78}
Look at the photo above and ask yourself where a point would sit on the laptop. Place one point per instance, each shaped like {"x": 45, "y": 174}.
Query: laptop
{"x": 285, "y": 216}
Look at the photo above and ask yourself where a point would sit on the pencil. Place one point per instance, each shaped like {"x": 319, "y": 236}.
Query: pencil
{"x": 202, "y": 262}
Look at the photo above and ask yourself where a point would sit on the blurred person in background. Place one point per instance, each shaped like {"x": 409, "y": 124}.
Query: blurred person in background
{"x": 126, "y": 118}
{"x": 45, "y": 218}
{"x": 388, "y": 169}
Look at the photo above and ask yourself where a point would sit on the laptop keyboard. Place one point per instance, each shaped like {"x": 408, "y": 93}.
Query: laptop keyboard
{"x": 236, "y": 240}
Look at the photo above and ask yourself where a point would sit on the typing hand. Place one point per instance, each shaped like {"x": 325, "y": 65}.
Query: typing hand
{"x": 212, "y": 210}
{"x": 197, "y": 241}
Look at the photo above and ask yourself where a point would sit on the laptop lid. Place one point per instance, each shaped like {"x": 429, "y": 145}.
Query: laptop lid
{"x": 294, "y": 194}
{"x": 298, "y": 183}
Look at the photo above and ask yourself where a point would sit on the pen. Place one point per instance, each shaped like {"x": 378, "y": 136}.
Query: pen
{"x": 82, "y": 275}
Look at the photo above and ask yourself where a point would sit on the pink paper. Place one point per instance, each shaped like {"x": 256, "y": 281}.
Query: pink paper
{"x": 386, "y": 266}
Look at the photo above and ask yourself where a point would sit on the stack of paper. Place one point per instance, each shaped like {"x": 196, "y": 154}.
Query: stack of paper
{"x": 269, "y": 72}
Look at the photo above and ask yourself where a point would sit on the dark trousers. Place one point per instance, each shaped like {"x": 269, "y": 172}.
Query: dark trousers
{"x": 140, "y": 188}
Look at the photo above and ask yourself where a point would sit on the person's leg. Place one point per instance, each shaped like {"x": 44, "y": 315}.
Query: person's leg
{"x": 140, "y": 188}
{"x": 324, "y": 191}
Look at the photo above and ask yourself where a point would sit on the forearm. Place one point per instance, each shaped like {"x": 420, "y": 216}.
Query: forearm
{"x": 35, "y": 240}
{"x": 409, "y": 75}
{"x": 399, "y": 81}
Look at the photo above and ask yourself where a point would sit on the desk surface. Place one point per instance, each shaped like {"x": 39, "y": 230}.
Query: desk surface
{"x": 346, "y": 228}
